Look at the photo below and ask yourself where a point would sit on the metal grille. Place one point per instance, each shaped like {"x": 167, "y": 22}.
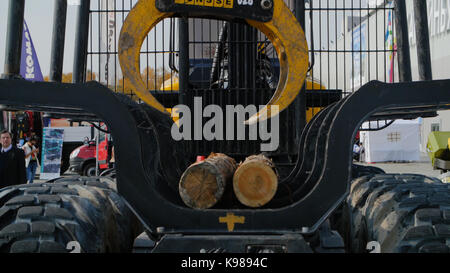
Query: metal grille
{"x": 351, "y": 42}
{"x": 106, "y": 18}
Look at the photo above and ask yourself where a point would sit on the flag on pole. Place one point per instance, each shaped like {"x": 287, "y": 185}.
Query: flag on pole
{"x": 29, "y": 64}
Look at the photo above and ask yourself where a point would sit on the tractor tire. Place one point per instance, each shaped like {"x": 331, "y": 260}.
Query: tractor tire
{"x": 361, "y": 170}
{"x": 89, "y": 169}
{"x": 398, "y": 213}
{"x": 69, "y": 215}
{"x": 338, "y": 218}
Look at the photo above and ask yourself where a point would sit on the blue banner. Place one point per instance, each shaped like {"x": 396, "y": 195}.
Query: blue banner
{"x": 29, "y": 64}
{"x": 52, "y": 143}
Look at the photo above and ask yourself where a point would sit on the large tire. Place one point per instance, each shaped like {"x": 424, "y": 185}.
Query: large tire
{"x": 406, "y": 213}
{"x": 361, "y": 170}
{"x": 339, "y": 217}
{"x": 47, "y": 217}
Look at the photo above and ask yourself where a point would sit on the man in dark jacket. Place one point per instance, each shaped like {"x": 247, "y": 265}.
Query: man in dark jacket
{"x": 12, "y": 162}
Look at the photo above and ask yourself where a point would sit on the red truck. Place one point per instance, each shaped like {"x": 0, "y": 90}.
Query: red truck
{"x": 83, "y": 158}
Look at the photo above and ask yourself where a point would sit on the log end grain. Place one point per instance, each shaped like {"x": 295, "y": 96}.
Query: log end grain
{"x": 200, "y": 186}
{"x": 255, "y": 184}
{"x": 203, "y": 184}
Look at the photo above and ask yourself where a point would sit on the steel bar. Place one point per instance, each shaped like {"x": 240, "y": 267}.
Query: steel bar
{"x": 403, "y": 54}
{"x": 183, "y": 30}
{"x": 300, "y": 101}
{"x": 81, "y": 42}
{"x": 58, "y": 36}
{"x": 14, "y": 38}
{"x": 423, "y": 40}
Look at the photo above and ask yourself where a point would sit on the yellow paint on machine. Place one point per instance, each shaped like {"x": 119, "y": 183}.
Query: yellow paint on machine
{"x": 175, "y": 115}
{"x": 289, "y": 41}
{"x": 231, "y": 220}
{"x": 208, "y": 3}
{"x": 312, "y": 84}
{"x": 311, "y": 112}
{"x": 173, "y": 85}
{"x": 228, "y": 4}
{"x": 283, "y": 31}
{"x": 142, "y": 18}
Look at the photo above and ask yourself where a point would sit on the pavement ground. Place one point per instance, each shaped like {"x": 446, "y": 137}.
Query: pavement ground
{"x": 421, "y": 167}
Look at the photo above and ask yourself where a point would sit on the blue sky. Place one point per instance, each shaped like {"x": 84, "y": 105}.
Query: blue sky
{"x": 39, "y": 18}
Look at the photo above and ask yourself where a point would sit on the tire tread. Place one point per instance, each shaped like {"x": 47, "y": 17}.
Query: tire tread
{"x": 404, "y": 213}
{"x": 45, "y": 217}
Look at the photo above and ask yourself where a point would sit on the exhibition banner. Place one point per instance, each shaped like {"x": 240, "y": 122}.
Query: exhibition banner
{"x": 52, "y": 144}
{"x": 29, "y": 65}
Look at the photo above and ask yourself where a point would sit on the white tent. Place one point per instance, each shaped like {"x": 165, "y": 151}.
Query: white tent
{"x": 398, "y": 142}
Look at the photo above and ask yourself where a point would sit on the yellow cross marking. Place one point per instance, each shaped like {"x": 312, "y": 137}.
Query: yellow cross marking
{"x": 231, "y": 219}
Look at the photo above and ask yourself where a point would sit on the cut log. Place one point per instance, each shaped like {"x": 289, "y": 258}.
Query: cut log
{"x": 255, "y": 181}
{"x": 203, "y": 183}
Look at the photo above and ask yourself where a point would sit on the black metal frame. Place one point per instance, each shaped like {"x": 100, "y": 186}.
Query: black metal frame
{"x": 401, "y": 27}
{"x": 328, "y": 12}
{"x": 81, "y": 42}
{"x": 149, "y": 162}
{"x": 423, "y": 40}
{"x": 143, "y": 179}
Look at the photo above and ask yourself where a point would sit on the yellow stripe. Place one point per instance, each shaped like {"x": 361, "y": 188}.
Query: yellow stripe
{"x": 218, "y": 3}
{"x": 283, "y": 31}
{"x": 208, "y": 3}
{"x": 228, "y": 4}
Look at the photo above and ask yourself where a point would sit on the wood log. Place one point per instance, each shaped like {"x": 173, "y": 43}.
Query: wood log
{"x": 203, "y": 183}
{"x": 255, "y": 181}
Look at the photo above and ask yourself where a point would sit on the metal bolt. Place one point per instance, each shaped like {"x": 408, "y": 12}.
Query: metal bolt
{"x": 266, "y": 4}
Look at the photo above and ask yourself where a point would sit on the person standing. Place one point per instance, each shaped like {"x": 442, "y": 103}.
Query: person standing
{"x": 356, "y": 151}
{"x": 31, "y": 162}
{"x": 12, "y": 162}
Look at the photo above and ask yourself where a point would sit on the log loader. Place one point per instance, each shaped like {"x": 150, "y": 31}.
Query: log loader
{"x": 318, "y": 205}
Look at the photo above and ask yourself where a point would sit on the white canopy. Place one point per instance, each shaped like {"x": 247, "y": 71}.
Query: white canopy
{"x": 398, "y": 142}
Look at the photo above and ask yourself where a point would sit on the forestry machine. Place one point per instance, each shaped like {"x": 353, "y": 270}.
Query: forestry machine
{"x": 322, "y": 202}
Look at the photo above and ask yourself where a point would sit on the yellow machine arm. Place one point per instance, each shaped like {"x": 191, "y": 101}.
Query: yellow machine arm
{"x": 280, "y": 26}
